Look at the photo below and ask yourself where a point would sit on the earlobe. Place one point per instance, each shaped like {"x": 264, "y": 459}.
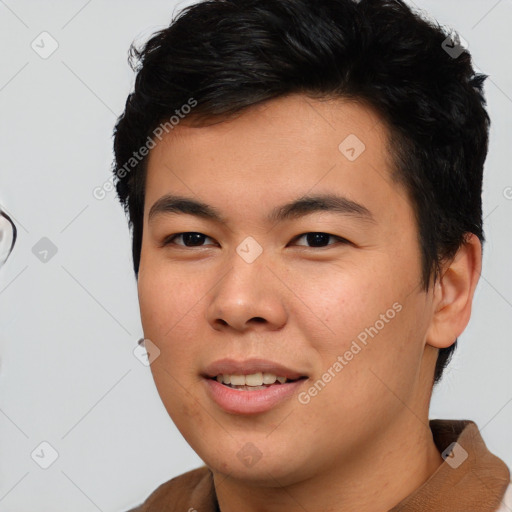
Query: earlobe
{"x": 453, "y": 294}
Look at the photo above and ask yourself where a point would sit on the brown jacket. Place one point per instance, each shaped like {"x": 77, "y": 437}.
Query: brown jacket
{"x": 478, "y": 483}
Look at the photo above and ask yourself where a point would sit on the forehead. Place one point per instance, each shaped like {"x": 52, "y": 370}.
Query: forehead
{"x": 277, "y": 151}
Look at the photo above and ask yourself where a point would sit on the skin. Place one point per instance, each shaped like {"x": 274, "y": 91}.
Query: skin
{"x": 363, "y": 442}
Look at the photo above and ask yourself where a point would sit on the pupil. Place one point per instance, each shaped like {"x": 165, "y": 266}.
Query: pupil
{"x": 317, "y": 238}
{"x": 193, "y": 237}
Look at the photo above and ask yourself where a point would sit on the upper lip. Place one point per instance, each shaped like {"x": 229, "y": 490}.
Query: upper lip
{"x": 250, "y": 366}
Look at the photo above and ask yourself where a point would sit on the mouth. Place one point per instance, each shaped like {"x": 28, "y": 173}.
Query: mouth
{"x": 253, "y": 381}
{"x": 252, "y": 386}
{"x": 251, "y": 373}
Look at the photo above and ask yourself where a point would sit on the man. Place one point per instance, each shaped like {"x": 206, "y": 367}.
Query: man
{"x": 303, "y": 182}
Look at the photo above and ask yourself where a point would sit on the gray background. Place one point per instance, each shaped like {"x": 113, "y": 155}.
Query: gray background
{"x": 68, "y": 375}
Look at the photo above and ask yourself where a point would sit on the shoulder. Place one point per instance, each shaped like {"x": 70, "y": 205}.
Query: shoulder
{"x": 194, "y": 487}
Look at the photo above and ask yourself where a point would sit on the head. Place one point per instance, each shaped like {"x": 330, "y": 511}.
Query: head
{"x": 248, "y": 105}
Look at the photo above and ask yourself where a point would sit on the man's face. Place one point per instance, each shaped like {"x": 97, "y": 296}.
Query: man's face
{"x": 349, "y": 316}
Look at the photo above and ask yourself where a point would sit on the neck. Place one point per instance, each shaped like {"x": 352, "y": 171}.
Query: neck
{"x": 393, "y": 466}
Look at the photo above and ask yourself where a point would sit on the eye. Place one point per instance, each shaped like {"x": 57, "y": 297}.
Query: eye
{"x": 320, "y": 239}
{"x": 195, "y": 239}
{"x": 190, "y": 239}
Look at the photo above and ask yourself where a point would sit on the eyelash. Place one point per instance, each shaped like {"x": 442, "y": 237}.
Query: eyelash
{"x": 170, "y": 239}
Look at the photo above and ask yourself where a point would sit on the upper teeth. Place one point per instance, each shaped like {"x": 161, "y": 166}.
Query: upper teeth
{"x": 255, "y": 379}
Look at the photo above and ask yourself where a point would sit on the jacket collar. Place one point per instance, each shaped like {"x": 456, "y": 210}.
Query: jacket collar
{"x": 470, "y": 478}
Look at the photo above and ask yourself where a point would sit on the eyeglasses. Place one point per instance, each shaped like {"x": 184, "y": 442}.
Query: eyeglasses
{"x": 8, "y": 233}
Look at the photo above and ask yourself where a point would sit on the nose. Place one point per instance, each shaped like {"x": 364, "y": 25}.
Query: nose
{"x": 8, "y": 234}
{"x": 248, "y": 296}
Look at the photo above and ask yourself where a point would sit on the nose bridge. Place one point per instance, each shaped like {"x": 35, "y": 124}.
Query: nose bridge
{"x": 246, "y": 291}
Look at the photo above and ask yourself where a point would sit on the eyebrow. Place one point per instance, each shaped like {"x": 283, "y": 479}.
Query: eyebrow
{"x": 306, "y": 205}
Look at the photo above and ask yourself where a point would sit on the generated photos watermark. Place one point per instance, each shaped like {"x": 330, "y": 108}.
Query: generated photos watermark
{"x": 101, "y": 191}
{"x": 355, "y": 348}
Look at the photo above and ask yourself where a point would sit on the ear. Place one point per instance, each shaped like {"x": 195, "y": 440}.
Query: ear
{"x": 453, "y": 294}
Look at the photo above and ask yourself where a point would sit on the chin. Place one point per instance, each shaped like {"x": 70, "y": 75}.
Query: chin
{"x": 252, "y": 466}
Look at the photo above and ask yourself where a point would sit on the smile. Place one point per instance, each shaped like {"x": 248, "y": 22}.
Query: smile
{"x": 251, "y": 382}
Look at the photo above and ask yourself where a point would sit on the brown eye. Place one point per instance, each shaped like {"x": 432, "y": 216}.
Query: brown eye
{"x": 320, "y": 239}
{"x": 190, "y": 239}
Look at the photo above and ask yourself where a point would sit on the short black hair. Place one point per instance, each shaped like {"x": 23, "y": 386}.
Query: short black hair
{"x": 230, "y": 54}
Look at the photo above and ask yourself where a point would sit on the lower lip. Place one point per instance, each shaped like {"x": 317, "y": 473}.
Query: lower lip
{"x": 239, "y": 401}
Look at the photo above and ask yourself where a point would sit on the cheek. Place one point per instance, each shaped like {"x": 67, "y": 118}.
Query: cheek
{"x": 337, "y": 303}
{"x": 171, "y": 317}
{"x": 365, "y": 317}
{"x": 178, "y": 398}
{"x": 166, "y": 301}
